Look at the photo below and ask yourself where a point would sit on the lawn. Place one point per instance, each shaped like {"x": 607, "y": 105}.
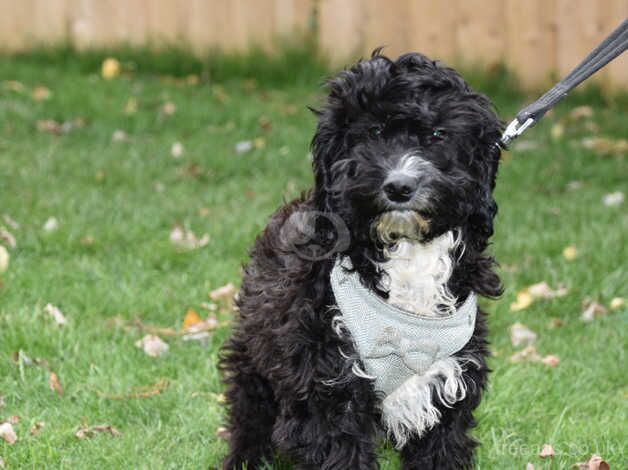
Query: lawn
{"x": 104, "y": 171}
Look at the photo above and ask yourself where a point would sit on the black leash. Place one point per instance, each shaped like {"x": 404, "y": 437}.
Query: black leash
{"x": 614, "y": 45}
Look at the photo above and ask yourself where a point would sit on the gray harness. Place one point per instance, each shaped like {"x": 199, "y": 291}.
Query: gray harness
{"x": 394, "y": 344}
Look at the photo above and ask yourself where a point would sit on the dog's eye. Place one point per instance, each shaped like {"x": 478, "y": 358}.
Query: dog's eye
{"x": 437, "y": 135}
{"x": 375, "y": 131}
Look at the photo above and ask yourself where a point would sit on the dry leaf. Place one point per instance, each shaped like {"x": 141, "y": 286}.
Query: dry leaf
{"x": 51, "y": 224}
{"x": 131, "y": 106}
{"x": 223, "y": 433}
{"x": 169, "y": 108}
{"x": 606, "y": 146}
{"x": 41, "y": 93}
{"x": 613, "y": 199}
{"x": 186, "y": 239}
{"x": 119, "y": 136}
{"x": 86, "y": 432}
{"x": 191, "y": 318}
{"x": 54, "y": 384}
{"x": 555, "y": 323}
{"x": 591, "y": 310}
{"x": 546, "y": 451}
{"x": 49, "y": 126}
{"x": 140, "y": 392}
{"x": 225, "y": 292}
{"x": 264, "y": 123}
{"x": 35, "y": 428}
{"x": 259, "y": 143}
{"x": 7, "y": 238}
{"x": 551, "y": 360}
{"x": 110, "y": 68}
{"x": 580, "y": 112}
{"x": 152, "y": 345}
{"x": 524, "y": 300}
{"x": 7, "y": 433}
{"x": 528, "y": 354}
{"x": 594, "y": 463}
{"x": 542, "y": 291}
{"x": 200, "y": 330}
{"x": 2, "y": 465}
{"x": 616, "y": 302}
{"x": 2, "y": 404}
{"x": 177, "y": 150}
{"x": 574, "y": 185}
{"x": 557, "y": 131}
{"x": 570, "y": 252}
{"x": 521, "y": 334}
{"x": 244, "y": 146}
{"x": 4, "y": 259}
{"x": 10, "y": 222}
{"x": 56, "y": 314}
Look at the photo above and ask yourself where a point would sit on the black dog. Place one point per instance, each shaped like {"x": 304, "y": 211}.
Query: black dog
{"x": 405, "y": 161}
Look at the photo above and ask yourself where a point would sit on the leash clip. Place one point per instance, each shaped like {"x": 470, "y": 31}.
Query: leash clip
{"x": 514, "y": 130}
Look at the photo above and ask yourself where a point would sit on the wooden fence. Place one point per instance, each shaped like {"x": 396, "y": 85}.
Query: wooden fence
{"x": 533, "y": 37}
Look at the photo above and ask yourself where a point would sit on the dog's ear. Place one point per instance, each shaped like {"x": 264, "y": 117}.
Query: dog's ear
{"x": 486, "y": 160}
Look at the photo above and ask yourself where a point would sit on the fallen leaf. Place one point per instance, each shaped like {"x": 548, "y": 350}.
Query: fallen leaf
{"x": 244, "y": 146}
{"x": 192, "y": 80}
{"x": 4, "y": 259}
{"x": 51, "y": 224}
{"x": 613, "y": 199}
{"x": 56, "y": 314}
{"x": 169, "y": 108}
{"x": 223, "y": 433}
{"x": 264, "y": 123}
{"x": 119, "y": 136}
{"x": 524, "y": 300}
{"x": 2, "y": 465}
{"x": 110, "y": 68}
{"x": 591, "y": 310}
{"x": 152, "y": 345}
{"x": 200, "y": 330}
{"x": 140, "y": 392}
{"x": 546, "y": 451}
{"x": 41, "y": 93}
{"x": 7, "y": 433}
{"x": 10, "y": 222}
{"x": 177, "y": 150}
{"x": 521, "y": 334}
{"x": 259, "y": 143}
{"x": 35, "y": 428}
{"x": 557, "y": 131}
{"x": 605, "y": 145}
{"x": 574, "y": 185}
{"x": 131, "y": 106}
{"x": 86, "y": 432}
{"x": 225, "y": 292}
{"x": 542, "y": 291}
{"x": 528, "y": 354}
{"x": 580, "y": 112}
{"x": 13, "y": 420}
{"x": 191, "y": 318}
{"x": 570, "y": 252}
{"x": 2, "y": 403}
{"x": 187, "y": 239}
{"x": 595, "y": 462}
{"x": 551, "y": 360}
{"x": 616, "y": 302}
{"x": 555, "y": 323}
{"x": 48, "y": 126}
{"x": 87, "y": 240}
{"x": 54, "y": 384}
{"x": 204, "y": 212}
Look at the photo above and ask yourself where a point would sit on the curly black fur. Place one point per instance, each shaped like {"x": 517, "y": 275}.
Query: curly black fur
{"x": 283, "y": 352}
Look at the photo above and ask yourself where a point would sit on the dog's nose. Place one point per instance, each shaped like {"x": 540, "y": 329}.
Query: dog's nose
{"x": 400, "y": 188}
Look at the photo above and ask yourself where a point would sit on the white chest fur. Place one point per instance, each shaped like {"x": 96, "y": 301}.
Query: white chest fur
{"x": 416, "y": 276}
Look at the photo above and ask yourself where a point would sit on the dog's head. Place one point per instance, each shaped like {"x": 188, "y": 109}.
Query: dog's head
{"x": 406, "y": 149}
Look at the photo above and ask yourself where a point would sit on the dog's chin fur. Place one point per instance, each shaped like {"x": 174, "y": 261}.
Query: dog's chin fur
{"x": 294, "y": 382}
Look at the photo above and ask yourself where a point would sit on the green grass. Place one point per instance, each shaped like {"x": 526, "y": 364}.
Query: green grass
{"x": 107, "y": 190}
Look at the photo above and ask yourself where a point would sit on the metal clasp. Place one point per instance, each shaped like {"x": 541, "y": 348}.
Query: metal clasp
{"x": 514, "y": 130}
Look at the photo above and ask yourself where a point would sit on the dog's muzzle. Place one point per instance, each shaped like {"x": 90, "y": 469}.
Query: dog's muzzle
{"x": 389, "y": 227}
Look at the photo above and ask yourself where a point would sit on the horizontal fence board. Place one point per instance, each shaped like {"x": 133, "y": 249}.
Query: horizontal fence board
{"x": 537, "y": 39}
